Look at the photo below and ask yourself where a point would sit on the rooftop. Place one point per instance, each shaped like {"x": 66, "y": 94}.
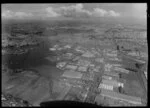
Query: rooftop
{"x": 105, "y": 86}
{"x": 82, "y": 68}
{"x": 107, "y": 77}
{"x": 88, "y": 54}
{"x": 73, "y": 67}
{"x": 111, "y": 73}
{"x": 72, "y": 74}
{"x": 121, "y": 70}
{"x": 112, "y": 82}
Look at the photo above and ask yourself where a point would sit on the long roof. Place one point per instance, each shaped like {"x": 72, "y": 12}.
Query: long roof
{"x": 111, "y": 82}
{"x": 111, "y": 73}
{"x": 72, "y": 74}
{"x": 114, "y": 95}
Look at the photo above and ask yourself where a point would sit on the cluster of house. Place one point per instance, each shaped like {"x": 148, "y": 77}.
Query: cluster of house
{"x": 19, "y": 51}
{"x": 114, "y": 68}
{"x": 133, "y": 53}
{"x": 144, "y": 54}
{"x": 138, "y": 54}
{"x": 4, "y": 42}
{"x": 8, "y": 100}
{"x": 57, "y": 47}
{"x": 111, "y": 54}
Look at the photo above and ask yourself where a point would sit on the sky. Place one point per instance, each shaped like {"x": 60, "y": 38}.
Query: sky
{"x": 117, "y": 11}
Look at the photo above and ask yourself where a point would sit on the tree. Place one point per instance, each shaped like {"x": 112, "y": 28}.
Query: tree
{"x": 120, "y": 89}
{"x": 120, "y": 75}
{"x": 117, "y": 47}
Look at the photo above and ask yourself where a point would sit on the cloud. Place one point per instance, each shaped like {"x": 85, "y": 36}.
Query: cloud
{"x": 9, "y": 14}
{"x": 79, "y": 11}
{"x": 74, "y": 11}
{"x": 139, "y": 10}
{"x": 113, "y": 13}
{"x": 51, "y": 12}
{"x": 97, "y": 12}
{"x": 22, "y": 14}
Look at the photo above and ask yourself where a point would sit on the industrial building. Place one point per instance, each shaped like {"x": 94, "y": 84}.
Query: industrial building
{"x": 114, "y": 74}
{"x": 118, "y": 96}
{"x": 122, "y": 70}
{"x": 82, "y": 68}
{"x": 112, "y": 82}
{"x": 105, "y": 86}
{"x": 73, "y": 67}
{"x": 107, "y": 77}
{"x": 72, "y": 74}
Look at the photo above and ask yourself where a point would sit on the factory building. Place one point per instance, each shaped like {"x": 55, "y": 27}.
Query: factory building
{"x": 113, "y": 83}
{"x": 122, "y": 70}
{"x": 114, "y": 74}
{"x": 105, "y": 86}
{"x": 73, "y": 67}
{"x": 72, "y": 74}
{"x": 122, "y": 97}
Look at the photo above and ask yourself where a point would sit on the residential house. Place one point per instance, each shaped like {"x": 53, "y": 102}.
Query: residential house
{"x": 99, "y": 60}
{"x": 76, "y": 58}
{"x": 68, "y": 55}
{"x": 61, "y": 65}
{"x": 107, "y": 67}
{"x": 111, "y": 54}
{"x": 114, "y": 59}
{"x": 80, "y": 49}
{"x": 96, "y": 69}
{"x": 88, "y": 77}
{"x": 134, "y": 53}
{"x": 67, "y": 46}
{"x": 83, "y": 62}
{"x": 144, "y": 54}
{"x": 117, "y": 65}
{"x": 82, "y": 68}
{"x": 88, "y": 54}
